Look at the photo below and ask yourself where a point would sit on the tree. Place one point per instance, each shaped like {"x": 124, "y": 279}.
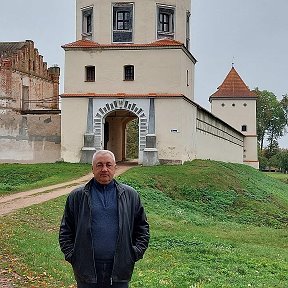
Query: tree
{"x": 284, "y": 161}
{"x": 132, "y": 139}
{"x": 284, "y": 103}
{"x": 271, "y": 119}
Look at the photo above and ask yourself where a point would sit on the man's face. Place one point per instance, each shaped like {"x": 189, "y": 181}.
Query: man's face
{"x": 104, "y": 168}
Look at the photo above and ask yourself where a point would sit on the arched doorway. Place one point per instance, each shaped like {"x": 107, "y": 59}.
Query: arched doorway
{"x": 110, "y": 121}
{"x": 120, "y": 136}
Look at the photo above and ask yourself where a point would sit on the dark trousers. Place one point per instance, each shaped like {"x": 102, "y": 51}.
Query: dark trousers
{"x": 104, "y": 271}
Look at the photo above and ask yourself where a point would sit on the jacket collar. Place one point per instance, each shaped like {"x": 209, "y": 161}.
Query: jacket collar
{"x": 88, "y": 187}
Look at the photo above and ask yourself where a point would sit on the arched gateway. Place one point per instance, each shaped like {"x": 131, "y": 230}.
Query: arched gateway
{"x": 110, "y": 120}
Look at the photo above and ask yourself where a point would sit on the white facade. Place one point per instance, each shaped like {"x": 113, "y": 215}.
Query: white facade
{"x": 155, "y": 71}
{"x": 131, "y": 60}
{"x": 144, "y": 20}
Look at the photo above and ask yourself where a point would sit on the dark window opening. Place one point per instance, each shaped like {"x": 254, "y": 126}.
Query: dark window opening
{"x": 128, "y": 72}
{"x": 244, "y": 128}
{"x": 87, "y": 23}
{"x": 164, "y": 22}
{"x": 90, "y": 73}
{"x": 122, "y": 22}
{"x": 188, "y": 14}
{"x": 165, "y": 27}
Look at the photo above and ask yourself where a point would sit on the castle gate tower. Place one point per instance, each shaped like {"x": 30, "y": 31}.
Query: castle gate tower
{"x": 130, "y": 60}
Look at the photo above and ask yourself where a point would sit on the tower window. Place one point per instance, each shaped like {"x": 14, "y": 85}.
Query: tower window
{"x": 244, "y": 128}
{"x": 90, "y": 73}
{"x": 128, "y": 72}
{"x": 122, "y": 22}
{"x": 87, "y": 23}
{"x": 188, "y": 15}
{"x": 165, "y": 27}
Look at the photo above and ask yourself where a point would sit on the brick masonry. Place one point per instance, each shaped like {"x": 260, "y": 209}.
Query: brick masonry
{"x": 29, "y": 93}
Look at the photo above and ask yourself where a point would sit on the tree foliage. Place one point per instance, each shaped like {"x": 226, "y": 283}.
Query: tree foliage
{"x": 132, "y": 139}
{"x": 271, "y": 118}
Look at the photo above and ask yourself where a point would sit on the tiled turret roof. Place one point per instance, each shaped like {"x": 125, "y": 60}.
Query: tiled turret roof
{"x": 233, "y": 86}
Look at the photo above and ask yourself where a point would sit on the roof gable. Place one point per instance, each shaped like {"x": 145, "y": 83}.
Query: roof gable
{"x": 233, "y": 86}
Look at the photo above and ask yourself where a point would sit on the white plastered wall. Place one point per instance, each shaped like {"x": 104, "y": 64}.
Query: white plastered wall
{"x": 214, "y": 148}
{"x": 237, "y": 112}
{"x": 73, "y": 127}
{"x": 156, "y": 71}
{"x": 145, "y": 19}
{"x": 175, "y": 130}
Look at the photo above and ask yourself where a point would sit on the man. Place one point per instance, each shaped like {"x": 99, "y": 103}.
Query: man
{"x": 104, "y": 229}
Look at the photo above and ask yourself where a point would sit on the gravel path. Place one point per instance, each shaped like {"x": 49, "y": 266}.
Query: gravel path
{"x": 11, "y": 203}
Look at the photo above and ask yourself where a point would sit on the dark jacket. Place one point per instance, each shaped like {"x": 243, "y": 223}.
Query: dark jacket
{"x": 75, "y": 236}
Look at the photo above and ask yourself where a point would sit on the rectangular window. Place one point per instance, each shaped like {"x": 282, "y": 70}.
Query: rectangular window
{"x": 244, "y": 128}
{"x": 128, "y": 72}
{"x": 188, "y": 14}
{"x": 90, "y": 73}
{"x": 165, "y": 26}
{"x": 122, "y": 22}
{"x": 87, "y": 23}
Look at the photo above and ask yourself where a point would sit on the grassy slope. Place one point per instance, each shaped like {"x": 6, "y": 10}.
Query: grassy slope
{"x": 21, "y": 177}
{"x": 213, "y": 225}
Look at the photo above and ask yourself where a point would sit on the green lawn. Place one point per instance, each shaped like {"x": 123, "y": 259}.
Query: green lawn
{"x": 280, "y": 176}
{"x": 213, "y": 225}
{"x": 21, "y": 177}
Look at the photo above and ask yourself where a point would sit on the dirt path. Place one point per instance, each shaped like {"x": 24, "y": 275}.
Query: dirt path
{"x": 11, "y": 203}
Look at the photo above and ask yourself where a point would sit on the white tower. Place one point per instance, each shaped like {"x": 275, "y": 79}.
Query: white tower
{"x": 127, "y": 58}
{"x": 234, "y": 103}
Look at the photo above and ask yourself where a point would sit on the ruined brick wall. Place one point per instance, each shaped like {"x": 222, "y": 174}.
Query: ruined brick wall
{"x": 25, "y": 81}
{"x": 30, "y": 138}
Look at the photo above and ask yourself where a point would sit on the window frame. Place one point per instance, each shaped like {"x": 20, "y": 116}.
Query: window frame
{"x": 188, "y": 17}
{"x": 244, "y": 128}
{"x": 122, "y": 28}
{"x": 129, "y": 75}
{"x": 165, "y": 21}
{"x": 90, "y": 73}
{"x": 87, "y": 22}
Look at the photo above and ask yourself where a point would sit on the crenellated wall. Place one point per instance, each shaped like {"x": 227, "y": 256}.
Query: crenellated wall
{"x": 25, "y": 81}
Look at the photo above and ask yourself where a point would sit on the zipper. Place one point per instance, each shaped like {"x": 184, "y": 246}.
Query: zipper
{"x": 90, "y": 214}
{"x": 117, "y": 243}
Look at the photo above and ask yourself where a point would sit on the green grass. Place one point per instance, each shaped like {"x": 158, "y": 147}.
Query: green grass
{"x": 21, "y": 177}
{"x": 213, "y": 225}
{"x": 280, "y": 176}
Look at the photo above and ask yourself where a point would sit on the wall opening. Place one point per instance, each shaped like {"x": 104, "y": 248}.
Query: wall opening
{"x": 121, "y": 134}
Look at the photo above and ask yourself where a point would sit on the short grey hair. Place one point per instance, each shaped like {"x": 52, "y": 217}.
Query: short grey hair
{"x": 101, "y": 152}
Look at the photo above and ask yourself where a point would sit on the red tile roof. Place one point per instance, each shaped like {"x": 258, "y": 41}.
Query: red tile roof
{"x": 92, "y": 44}
{"x": 122, "y": 95}
{"x": 233, "y": 86}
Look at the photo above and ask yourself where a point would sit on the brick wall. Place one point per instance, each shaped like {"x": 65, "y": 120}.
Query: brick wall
{"x": 24, "y": 70}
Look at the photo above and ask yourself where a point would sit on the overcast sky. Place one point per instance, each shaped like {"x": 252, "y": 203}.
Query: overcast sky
{"x": 251, "y": 33}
